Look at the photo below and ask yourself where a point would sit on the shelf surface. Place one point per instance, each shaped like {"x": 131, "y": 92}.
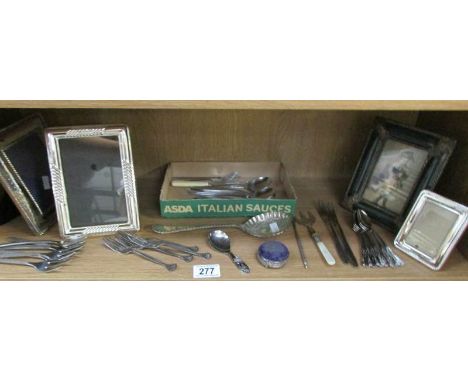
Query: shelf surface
{"x": 238, "y": 104}
{"x": 98, "y": 263}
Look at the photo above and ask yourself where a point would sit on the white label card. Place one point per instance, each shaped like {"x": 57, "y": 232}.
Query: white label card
{"x": 206, "y": 271}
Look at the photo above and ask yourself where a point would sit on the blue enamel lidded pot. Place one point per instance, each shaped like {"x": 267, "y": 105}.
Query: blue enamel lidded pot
{"x": 273, "y": 254}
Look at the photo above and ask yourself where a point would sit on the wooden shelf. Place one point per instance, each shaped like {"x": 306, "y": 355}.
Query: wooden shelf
{"x": 240, "y": 105}
{"x": 98, "y": 263}
{"x": 313, "y": 139}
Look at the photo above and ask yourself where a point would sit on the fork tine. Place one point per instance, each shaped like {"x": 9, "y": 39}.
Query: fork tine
{"x": 112, "y": 244}
{"x": 133, "y": 239}
{"x": 109, "y": 246}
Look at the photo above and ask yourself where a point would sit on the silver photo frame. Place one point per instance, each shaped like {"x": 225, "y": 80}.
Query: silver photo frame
{"x": 93, "y": 179}
{"x": 24, "y": 172}
{"x": 432, "y": 229}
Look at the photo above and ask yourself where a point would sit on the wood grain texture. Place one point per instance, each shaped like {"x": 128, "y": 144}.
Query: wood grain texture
{"x": 240, "y": 104}
{"x": 309, "y": 143}
{"x": 98, "y": 263}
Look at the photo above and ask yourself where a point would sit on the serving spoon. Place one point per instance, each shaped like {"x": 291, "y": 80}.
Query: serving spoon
{"x": 220, "y": 241}
{"x": 264, "y": 225}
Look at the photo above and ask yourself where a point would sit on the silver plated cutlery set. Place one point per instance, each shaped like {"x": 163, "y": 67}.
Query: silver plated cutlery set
{"x": 130, "y": 243}
{"x": 41, "y": 255}
{"x": 374, "y": 251}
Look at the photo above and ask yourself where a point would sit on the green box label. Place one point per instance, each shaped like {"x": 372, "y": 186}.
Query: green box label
{"x": 224, "y": 208}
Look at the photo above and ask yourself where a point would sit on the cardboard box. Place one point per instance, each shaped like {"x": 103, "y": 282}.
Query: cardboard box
{"x": 176, "y": 202}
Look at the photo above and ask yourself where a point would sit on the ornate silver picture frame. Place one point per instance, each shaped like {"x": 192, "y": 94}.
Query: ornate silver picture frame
{"x": 432, "y": 229}
{"x": 93, "y": 179}
{"x": 24, "y": 172}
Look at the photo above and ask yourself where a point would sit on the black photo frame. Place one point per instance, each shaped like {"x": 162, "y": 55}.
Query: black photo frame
{"x": 397, "y": 163}
{"x": 25, "y": 173}
{"x": 7, "y": 209}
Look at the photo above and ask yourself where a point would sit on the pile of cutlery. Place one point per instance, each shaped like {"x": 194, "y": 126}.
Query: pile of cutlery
{"x": 374, "y": 251}
{"x": 130, "y": 243}
{"x": 41, "y": 255}
{"x": 258, "y": 187}
{"x": 327, "y": 212}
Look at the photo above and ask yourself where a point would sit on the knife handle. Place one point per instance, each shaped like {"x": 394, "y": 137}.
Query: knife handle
{"x": 190, "y": 183}
{"x": 323, "y": 250}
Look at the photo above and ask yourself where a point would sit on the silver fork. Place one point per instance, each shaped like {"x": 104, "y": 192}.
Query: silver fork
{"x": 43, "y": 266}
{"x": 157, "y": 243}
{"x": 308, "y": 222}
{"x": 56, "y": 256}
{"x": 117, "y": 246}
{"x": 72, "y": 241}
{"x": 133, "y": 242}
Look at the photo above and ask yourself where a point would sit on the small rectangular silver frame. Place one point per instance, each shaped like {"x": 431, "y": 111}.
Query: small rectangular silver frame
{"x": 38, "y": 213}
{"x": 442, "y": 252}
{"x": 54, "y": 137}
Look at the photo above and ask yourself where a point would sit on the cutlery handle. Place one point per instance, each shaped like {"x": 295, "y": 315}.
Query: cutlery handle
{"x": 190, "y": 183}
{"x": 300, "y": 246}
{"x": 174, "y": 245}
{"x": 14, "y": 262}
{"x": 324, "y": 250}
{"x": 239, "y": 263}
{"x": 169, "y": 267}
{"x": 159, "y": 228}
{"x": 21, "y": 255}
{"x": 169, "y": 252}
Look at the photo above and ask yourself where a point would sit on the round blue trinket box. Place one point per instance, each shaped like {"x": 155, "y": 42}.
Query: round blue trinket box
{"x": 273, "y": 254}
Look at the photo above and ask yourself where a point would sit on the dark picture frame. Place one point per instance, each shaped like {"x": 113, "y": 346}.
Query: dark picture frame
{"x": 7, "y": 209}
{"x": 24, "y": 172}
{"x": 397, "y": 163}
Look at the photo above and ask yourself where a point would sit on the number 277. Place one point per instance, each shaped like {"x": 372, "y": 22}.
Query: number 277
{"x": 206, "y": 271}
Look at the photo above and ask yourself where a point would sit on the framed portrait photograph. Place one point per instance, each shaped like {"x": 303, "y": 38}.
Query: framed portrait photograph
{"x": 397, "y": 163}
{"x": 24, "y": 172}
{"x": 93, "y": 179}
{"x": 432, "y": 229}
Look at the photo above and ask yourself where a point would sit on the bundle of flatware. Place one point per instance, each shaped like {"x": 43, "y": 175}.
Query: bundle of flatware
{"x": 232, "y": 177}
{"x": 50, "y": 254}
{"x": 258, "y": 187}
{"x": 327, "y": 212}
{"x": 374, "y": 251}
{"x": 130, "y": 243}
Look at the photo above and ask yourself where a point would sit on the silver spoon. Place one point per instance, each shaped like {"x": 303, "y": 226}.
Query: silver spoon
{"x": 220, "y": 241}
{"x": 263, "y": 225}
